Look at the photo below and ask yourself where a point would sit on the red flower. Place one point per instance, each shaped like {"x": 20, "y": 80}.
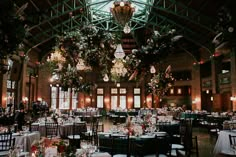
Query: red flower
{"x": 61, "y": 148}
{"x": 33, "y": 148}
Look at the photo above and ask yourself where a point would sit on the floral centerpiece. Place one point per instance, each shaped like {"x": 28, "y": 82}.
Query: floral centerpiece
{"x": 39, "y": 148}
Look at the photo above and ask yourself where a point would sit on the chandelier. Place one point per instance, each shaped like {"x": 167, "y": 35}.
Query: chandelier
{"x": 122, "y": 11}
{"x": 56, "y": 56}
{"x": 118, "y": 68}
{"x": 119, "y": 53}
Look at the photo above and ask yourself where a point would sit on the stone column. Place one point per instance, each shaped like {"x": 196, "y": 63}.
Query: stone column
{"x": 233, "y": 77}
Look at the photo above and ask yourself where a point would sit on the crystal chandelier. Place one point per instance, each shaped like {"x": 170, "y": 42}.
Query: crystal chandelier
{"x": 118, "y": 68}
{"x": 56, "y": 56}
{"x": 119, "y": 53}
{"x": 122, "y": 11}
{"x": 127, "y": 29}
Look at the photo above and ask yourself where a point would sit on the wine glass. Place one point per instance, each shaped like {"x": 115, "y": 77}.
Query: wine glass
{"x": 19, "y": 149}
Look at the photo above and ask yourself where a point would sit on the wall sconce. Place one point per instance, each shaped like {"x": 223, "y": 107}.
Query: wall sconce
{"x": 106, "y": 100}
{"x": 212, "y": 98}
{"x": 207, "y": 91}
{"x": 130, "y": 100}
{"x": 196, "y": 100}
{"x": 39, "y": 99}
{"x": 232, "y": 98}
{"x": 25, "y": 99}
{"x": 87, "y": 100}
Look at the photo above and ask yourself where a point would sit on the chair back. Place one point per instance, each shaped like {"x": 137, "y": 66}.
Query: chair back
{"x": 163, "y": 145}
{"x": 51, "y": 129}
{"x": 79, "y": 128}
{"x": 120, "y": 144}
{"x": 6, "y": 141}
{"x": 232, "y": 140}
{"x": 34, "y": 127}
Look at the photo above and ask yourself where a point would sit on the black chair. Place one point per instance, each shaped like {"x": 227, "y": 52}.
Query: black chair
{"x": 34, "y": 127}
{"x": 162, "y": 147}
{"x": 120, "y": 146}
{"x": 6, "y": 143}
{"x": 185, "y": 139}
{"x": 232, "y": 139}
{"x": 77, "y": 133}
{"x": 92, "y": 133}
{"x": 51, "y": 129}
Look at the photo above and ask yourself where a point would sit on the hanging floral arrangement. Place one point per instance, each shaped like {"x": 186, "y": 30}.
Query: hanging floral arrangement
{"x": 156, "y": 49}
{"x": 12, "y": 27}
{"x": 161, "y": 82}
{"x": 78, "y": 51}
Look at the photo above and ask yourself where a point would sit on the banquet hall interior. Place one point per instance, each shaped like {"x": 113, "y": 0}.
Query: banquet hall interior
{"x": 114, "y": 78}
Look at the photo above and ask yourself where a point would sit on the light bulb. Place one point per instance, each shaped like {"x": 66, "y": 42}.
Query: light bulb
{"x": 119, "y": 53}
{"x": 122, "y": 4}
{"x": 152, "y": 70}
{"x": 106, "y": 78}
{"x": 126, "y": 29}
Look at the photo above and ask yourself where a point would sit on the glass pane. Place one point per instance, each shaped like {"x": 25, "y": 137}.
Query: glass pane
{"x": 64, "y": 99}
{"x": 137, "y": 91}
{"x": 53, "y": 97}
{"x": 74, "y": 99}
{"x": 114, "y": 102}
{"x": 114, "y": 91}
{"x": 100, "y": 91}
{"x": 137, "y": 101}
{"x": 100, "y": 101}
{"x": 13, "y": 84}
{"x": 122, "y": 90}
{"x": 123, "y": 102}
{"x": 8, "y": 84}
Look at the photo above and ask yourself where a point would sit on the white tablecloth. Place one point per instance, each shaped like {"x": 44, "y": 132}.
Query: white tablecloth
{"x": 26, "y": 140}
{"x": 222, "y": 145}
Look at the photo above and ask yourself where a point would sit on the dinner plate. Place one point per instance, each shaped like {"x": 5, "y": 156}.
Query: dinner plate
{"x": 147, "y": 136}
{"x": 16, "y": 134}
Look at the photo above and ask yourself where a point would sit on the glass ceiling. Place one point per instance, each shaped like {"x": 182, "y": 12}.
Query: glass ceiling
{"x": 99, "y": 12}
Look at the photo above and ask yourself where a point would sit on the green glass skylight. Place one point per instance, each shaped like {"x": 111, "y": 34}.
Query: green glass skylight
{"x": 99, "y": 12}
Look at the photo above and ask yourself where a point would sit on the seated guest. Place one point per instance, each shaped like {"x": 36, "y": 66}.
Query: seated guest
{"x": 184, "y": 108}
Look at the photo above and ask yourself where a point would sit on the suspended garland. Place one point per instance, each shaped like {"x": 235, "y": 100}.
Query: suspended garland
{"x": 12, "y": 27}
{"x": 85, "y": 47}
{"x": 156, "y": 49}
{"x": 160, "y": 82}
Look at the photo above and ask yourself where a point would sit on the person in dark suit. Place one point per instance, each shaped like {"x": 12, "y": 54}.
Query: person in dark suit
{"x": 20, "y": 116}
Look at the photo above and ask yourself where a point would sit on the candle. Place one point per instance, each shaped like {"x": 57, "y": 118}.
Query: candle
{"x": 33, "y": 155}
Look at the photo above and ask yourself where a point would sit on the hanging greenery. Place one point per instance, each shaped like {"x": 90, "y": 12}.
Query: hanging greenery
{"x": 84, "y": 49}
{"x": 161, "y": 82}
{"x": 156, "y": 49}
{"x": 12, "y": 27}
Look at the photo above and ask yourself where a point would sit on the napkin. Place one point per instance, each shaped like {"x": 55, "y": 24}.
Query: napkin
{"x": 51, "y": 151}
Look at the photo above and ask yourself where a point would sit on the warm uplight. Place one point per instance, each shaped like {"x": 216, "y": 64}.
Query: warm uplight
{"x": 25, "y": 99}
{"x": 196, "y": 100}
{"x": 106, "y": 100}
{"x": 130, "y": 100}
{"x": 87, "y": 100}
{"x": 39, "y": 99}
{"x": 232, "y": 98}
